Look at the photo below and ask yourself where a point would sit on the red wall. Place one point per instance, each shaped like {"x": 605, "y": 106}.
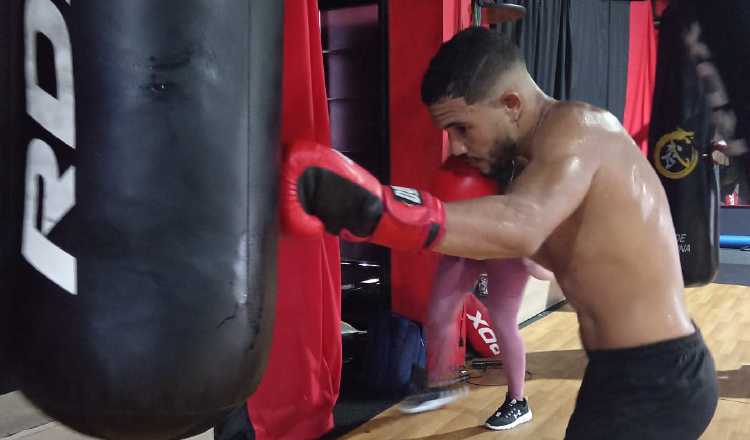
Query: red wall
{"x": 416, "y": 30}
{"x": 641, "y": 73}
{"x": 301, "y": 382}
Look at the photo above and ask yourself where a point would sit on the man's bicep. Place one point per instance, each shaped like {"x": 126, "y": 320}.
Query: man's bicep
{"x": 552, "y": 189}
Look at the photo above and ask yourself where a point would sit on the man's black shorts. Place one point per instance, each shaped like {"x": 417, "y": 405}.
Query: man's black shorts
{"x": 665, "y": 391}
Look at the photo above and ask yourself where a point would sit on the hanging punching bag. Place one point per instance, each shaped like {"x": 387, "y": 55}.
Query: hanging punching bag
{"x": 9, "y": 242}
{"x": 680, "y": 146}
{"x": 146, "y": 279}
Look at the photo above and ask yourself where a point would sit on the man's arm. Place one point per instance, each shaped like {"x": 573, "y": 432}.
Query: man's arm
{"x": 537, "y": 271}
{"x": 323, "y": 190}
{"x": 549, "y": 190}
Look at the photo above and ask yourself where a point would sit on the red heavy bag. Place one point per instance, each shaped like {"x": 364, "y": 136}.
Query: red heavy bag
{"x": 457, "y": 180}
{"x": 479, "y": 328}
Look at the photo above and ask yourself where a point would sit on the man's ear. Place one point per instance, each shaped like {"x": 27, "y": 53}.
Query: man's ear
{"x": 511, "y": 103}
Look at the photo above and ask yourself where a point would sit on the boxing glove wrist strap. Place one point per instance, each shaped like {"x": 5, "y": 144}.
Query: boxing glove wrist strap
{"x": 410, "y": 220}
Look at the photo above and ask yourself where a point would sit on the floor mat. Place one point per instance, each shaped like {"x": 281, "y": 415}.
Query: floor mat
{"x": 738, "y": 274}
{"x": 734, "y": 267}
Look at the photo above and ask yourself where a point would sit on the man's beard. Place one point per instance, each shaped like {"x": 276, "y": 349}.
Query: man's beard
{"x": 502, "y": 167}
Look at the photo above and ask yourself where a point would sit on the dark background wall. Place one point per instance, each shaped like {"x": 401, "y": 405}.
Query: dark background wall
{"x": 576, "y": 49}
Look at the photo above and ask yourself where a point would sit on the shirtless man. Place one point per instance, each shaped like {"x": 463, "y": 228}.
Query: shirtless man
{"x": 587, "y": 205}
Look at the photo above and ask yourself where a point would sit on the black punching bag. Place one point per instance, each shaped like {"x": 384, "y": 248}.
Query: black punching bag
{"x": 9, "y": 122}
{"x": 680, "y": 148}
{"x": 148, "y": 160}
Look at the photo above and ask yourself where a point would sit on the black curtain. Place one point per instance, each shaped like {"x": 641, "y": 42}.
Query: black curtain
{"x": 725, "y": 27}
{"x": 600, "y": 36}
{"x": 576, "y": 49}
{"x": 544, "y": 38}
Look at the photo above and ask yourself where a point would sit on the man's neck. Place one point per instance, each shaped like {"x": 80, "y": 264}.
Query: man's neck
{"x": 535, "y": 114}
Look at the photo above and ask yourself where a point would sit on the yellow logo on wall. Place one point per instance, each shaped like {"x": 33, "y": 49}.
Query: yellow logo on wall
{"x": 675, "y": 155}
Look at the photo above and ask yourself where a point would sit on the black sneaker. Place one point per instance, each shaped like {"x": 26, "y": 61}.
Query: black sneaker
{"x": 510, "y": 414}
{"x": 432, "y": 398}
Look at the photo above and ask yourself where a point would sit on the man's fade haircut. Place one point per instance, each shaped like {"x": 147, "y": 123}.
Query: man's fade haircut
{"x": 468, "y": 65}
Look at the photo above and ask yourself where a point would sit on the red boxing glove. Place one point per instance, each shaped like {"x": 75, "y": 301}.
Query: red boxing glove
{"x": 323, "y": 189}
{"x": 457, "y": 180}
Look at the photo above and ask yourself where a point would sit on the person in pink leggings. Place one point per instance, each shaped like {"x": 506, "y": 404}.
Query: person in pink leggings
{"x": 455, "y": 278}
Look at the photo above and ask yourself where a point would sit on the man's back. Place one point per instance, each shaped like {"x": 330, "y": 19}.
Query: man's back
{"x": 616, "y": 256}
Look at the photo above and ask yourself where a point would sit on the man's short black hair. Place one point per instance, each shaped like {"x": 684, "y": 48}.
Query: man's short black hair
{"x": 468, "y": 65}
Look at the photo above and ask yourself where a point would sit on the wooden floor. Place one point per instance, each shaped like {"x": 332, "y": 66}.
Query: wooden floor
{"x": 556, "y": 363}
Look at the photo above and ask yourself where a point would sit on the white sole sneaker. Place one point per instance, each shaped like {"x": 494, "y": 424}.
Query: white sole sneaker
{"x": 523, "y": 419}
{"x": 431, "y": 405}
{"x": 428, "y": 406}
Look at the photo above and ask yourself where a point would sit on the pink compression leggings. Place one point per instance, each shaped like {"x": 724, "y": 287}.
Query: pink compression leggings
{"x": 454, "y": 279}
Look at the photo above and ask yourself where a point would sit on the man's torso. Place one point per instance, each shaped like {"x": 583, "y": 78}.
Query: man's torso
{"x": 616, "y": 256}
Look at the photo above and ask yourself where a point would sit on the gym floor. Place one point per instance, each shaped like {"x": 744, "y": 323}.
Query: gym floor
{"x": 19, "y": 420}
{"x": 555, "y": 366}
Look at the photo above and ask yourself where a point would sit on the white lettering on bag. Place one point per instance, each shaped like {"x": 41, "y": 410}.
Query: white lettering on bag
{"x": 49, "y": 194}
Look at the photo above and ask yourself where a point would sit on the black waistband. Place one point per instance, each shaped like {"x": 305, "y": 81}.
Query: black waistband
{"x": 681, "y": 344}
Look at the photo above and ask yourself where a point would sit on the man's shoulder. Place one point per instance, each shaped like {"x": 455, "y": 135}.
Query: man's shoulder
{"x": 574, "y": 129}
{"x": 577, "y": 112}
{"x": 575, "y": 119}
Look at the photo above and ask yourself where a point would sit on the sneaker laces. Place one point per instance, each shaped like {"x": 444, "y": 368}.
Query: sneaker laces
{"x": 508, "y": 406}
